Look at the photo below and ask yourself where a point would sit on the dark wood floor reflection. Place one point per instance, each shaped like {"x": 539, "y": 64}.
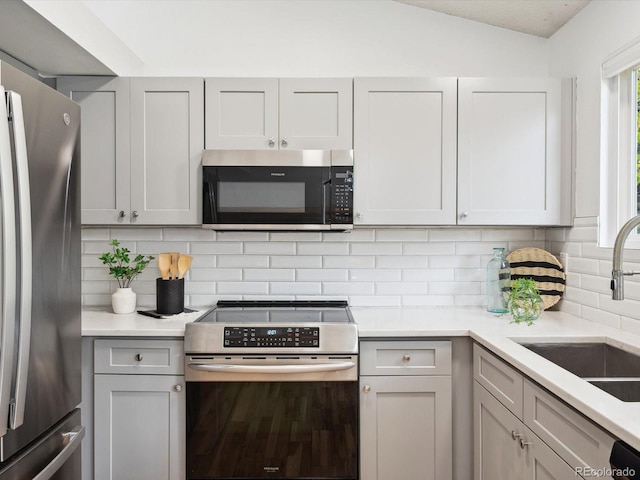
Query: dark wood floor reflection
{"x": 301, "y": 430}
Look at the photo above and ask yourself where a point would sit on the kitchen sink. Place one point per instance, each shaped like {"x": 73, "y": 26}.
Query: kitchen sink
{"x": 609, "y": 368}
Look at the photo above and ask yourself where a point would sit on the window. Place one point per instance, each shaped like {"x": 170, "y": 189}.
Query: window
{"x": 620, "y": 168}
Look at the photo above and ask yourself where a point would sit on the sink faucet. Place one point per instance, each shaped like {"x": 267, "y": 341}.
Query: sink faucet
{"x": 617, "y": 274}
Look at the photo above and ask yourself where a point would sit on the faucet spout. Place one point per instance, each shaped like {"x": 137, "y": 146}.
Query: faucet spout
{"x": 617, "y": 274}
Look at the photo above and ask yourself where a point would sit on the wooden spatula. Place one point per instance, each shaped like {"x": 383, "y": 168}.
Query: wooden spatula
{"x": 164, "y": 265}
{"x": 173, "y": 268}
{"x": 184, "y": 262}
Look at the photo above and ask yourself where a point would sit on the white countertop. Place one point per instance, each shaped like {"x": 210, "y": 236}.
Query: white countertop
{"x": 621, "y": 419}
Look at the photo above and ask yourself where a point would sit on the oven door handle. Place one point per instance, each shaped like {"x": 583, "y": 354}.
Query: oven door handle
{"x": 314, "y": 368}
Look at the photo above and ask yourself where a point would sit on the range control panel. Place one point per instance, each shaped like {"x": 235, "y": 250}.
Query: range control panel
{"x": 264, "y": 337}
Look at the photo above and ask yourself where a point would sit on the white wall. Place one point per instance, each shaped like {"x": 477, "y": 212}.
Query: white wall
{"x": 295, "y": 38}
{"x": 577, "y": 50}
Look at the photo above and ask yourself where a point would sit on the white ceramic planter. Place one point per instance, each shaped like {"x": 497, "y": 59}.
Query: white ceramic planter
{"x": 123, "y": 301}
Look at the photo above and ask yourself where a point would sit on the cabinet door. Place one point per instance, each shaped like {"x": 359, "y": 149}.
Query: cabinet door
{"x": 405, "y": 151}
{"x": 514, "y": 156}
{"x": 497, "y": 454}
{"x": 242, "y": 113}
{"x": 104, "y": 146}
{"x": 405, "y": 428}
{"x": 167, "y": 138}
{"x": 140, "y": 425}
{"x": 316, "y": 113}
{"x": 542, "y": 463}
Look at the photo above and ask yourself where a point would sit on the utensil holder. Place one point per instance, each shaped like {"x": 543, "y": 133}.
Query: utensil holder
{"x": 170, "y": 296}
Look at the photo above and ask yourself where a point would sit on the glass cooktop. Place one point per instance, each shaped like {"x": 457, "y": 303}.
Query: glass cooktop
{"x": 259, "y": 312}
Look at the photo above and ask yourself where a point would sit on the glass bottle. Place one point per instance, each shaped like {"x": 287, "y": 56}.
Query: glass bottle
{"x": 498, "y": 282}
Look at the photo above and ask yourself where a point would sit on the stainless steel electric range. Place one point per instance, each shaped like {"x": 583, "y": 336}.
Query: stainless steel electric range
{"x": 272, "y": 392}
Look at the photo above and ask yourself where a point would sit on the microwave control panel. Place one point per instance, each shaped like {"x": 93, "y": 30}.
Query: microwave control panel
{"x": 342, "y": 195}
{"x": 271, "y": 337}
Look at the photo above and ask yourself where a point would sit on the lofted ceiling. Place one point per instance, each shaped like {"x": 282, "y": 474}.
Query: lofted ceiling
{"x": 541, "y": 18}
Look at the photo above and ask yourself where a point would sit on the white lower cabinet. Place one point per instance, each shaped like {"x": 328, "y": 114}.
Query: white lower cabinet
{"x": 522, "y": 431}
{"x": 405, "y": 410}
{"x": 139, "y": 411}
{"x": 505, "y": 449}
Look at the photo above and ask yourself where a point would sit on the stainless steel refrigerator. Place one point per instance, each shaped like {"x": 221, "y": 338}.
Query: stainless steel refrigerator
{"x": 40, "y": 312}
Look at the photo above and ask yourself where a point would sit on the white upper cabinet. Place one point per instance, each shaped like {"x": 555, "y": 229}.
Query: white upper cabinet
{"x": 514, "y": 151}
{"x": 167, "y": 137}
{"x": 271, "y": 113}
{"x": 142, "y": 141}
{"x": 405, "y": 151}
{"x": 104, "y": 144}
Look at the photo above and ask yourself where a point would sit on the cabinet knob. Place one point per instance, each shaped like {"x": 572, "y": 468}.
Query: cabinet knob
{"x": 177, "y": 388}
{"x": 464, "y": 214}
{"x": 515, "y": 435}
{"x": 134, "y": 214}
{"x": 406, "y": 358}
{"x": 284, "y": 142}
{"x": 359, "y": 215}
{"x": 272, "y": 142}
{"x": 524, "y": 444}
{"x": 138, "y": 357}
{"x": 366, "y": 388}
{"x": 122, "y": 214}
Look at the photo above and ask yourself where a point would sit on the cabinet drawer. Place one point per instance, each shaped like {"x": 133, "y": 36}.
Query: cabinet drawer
{"x": 431, "y": 357}
{"x": 502, "y": 381}
{"x": 579, "y": 442}
{"x": 139, "y": 357}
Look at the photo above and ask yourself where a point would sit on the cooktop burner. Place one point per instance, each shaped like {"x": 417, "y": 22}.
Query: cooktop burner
{"x": 304, "y": 326}
{"x": 284, "y": 312}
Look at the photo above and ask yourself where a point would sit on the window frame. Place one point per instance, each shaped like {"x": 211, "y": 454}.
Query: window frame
{"x": 618, "y": 188}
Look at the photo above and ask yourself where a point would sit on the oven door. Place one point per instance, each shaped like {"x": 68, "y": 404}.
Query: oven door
{"x": 253, "y": 425}
{"x": 255, "y": 197}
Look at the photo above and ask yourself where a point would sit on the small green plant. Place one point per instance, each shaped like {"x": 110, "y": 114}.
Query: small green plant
{"x": 524, "y": 301}
{"x": 119, "y": 263}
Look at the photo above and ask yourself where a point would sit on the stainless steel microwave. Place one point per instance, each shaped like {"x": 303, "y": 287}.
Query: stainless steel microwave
{"x": 277, "y": 190}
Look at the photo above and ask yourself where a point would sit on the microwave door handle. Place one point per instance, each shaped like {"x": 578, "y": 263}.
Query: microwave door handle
{"x": 24, "y": 210}
{"x": 8, "y": 255}
{"x": 211, "y": 198}
{"x": 325, "y": 186}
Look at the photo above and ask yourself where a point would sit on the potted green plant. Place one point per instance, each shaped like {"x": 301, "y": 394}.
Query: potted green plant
{"x": 124, "y": 270}
{"x": 524, "y": 301}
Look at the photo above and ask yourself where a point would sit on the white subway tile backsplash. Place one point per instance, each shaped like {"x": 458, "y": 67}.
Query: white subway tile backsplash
{"x": 348, "y": 288}
{"x": 243, "y": 261}
{"x": 215, "y": 274}
{"x": 324, "y": 248}
{"x": 368, "y": 267}
{"x": 269, "y": 274}
{"x": 270, "y": 248}
{"x": 322, "y": 275}
{"x": 299, "y": 261}
{"x": 296, "y": 288}
{"x": 215, "y": 248}
{"x": 401, "y": 262}
{"x": 376, "y": 249}
{"x": 431, "y": 248}
{"x": 375, "y": 275}
{"x": 351, "y": 261}
{"x": 243, "y": 288}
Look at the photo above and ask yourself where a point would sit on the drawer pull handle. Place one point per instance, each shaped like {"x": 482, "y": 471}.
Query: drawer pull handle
{"x": 139, "y": 357}
{"x": 366, "y": 388}
{"x": 524, "y": 444}
{"x": 177, "y": 388}
{"x": 406, "y": 358}
{"x": 515, "y": 435}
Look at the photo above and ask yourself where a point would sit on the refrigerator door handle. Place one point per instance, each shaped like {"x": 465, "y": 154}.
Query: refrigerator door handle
{"x": 7, "y": 265}
{"x": 72, "y": 441}
{"x": 16, "y": 415}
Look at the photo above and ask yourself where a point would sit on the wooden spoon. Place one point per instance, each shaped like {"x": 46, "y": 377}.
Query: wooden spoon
{"x": 164, "y": 264}
{"x": 174, "y": 265}
{"x": 184, "y": 262}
